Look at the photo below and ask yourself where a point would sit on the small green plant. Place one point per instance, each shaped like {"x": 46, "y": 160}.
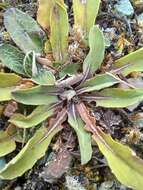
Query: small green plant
{"x": 63, "y": 90}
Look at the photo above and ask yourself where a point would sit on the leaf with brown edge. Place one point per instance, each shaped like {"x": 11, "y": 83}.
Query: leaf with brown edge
{"x": 59, "y": 29}
{"x": 95, "y": 56}
{"x": 84, "y": 138}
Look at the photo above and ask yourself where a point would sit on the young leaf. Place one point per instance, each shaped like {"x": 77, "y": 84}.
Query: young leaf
{"x": 37, "y": 116}
{"x": 24, "y": 30}
{"x": 36, "y": 72}
{"x": 29, "y": 64}
{"x": 39, "y": 95}
{"x": 70, "y": 69}
{"x": 85, "y": 13}
{"x": 131, "y": 62}
{"x": 84, "y": 138}
{"x": 9, "y": 80}
{"x": 29, "y": 155}
{"x": 43, "y": 14}
{"x": 95, "y": 56}
{"x": 59, "y": 31}
{"x": 7, "y": 144}
{"x": 98, "y": 82}
{"x": 12, "y": 58}
{"x": 5, "y": 94}
{"x": 119, "y": 98}
{"x": 127, "y": 167}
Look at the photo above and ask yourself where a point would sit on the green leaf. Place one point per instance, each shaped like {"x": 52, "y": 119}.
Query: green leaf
{"x": 131, "y": 62}
{"x": 95, "y": 56}
{"x": 7, "y": 144}
{"x": 127, "y": 167}
{"x": 24, "y": 30}
{"x": 70, "y": 69}
{"x": 5, "y": 94}
{"x": 84, "y": 137}
{"x": 44, "y": 77}
{"x": 59, "y": 31}
{"x": 37, "y": 116}
{"x": 119, "y": 98}
{"x": 12, "y": 58}
{"x": 98, "y": 82}
{"x": 40, "y": 95}
{"x": 29, "y": 155}
{"x": 36, "y": 72}
{"x": 9, "y": 80}
{"x": 43, "y": 14}
{"x": 85, "y": 13}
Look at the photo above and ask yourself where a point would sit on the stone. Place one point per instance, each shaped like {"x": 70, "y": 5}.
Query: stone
{"x": 124, "y": 8}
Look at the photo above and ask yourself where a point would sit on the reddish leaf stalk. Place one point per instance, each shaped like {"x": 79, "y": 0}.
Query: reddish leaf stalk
{"x": 90, "y": 124}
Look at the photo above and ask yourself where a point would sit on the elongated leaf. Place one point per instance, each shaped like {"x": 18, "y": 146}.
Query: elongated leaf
{"x": 119, "y": 98}
{"x": 24, "y": 30}
{"x": 7, "y": 144}
{"x": 121, "y": 159}
{"x": 5, "y": 94}
{"x": 97, "y": 49}
{"x": 127, "y": 167}
{"x": 36, "y": 96}
{"x": 85, "y": 13}
{"x": 131, "y": 62}
{"x": 59, "y": 31}
{"x": 84, "y": 138}
{"x": 9, "y": 79}
{"x": 43, "y": 14}
{"x": 29, "y": 155}
{"x": 12, "y": 58}
{"x": 98, "y": 82}
{"x": 37, "y": 116}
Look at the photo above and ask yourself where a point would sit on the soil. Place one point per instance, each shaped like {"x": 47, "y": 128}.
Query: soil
{"x": 124, "y": 35}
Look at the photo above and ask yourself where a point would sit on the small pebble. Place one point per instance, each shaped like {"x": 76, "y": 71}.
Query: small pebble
{"x": 124, "y": 8}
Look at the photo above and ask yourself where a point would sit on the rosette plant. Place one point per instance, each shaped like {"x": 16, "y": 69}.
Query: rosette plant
{"x": 52, "y": 81}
